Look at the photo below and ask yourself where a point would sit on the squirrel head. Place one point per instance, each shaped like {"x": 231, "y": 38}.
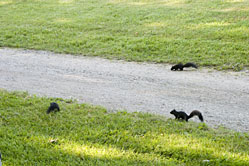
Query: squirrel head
{"x": 173, "y": 111}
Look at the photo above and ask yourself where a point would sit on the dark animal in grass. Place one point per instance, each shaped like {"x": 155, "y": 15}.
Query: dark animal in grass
{"x": 184, "y": 116}
{"x": 53, "y": 107}
{"x": 180, "y": 66}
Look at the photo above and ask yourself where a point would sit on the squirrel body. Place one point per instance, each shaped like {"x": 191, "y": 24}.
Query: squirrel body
{"x": 180, "y": 66}
{"x": 53, "y": 106}
{"x": 184, "y": 116}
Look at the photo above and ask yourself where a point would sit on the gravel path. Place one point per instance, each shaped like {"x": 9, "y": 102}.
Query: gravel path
{"x": 223, "y": 97}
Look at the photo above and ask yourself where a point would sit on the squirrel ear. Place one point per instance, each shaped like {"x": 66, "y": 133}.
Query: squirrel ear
{"x": 172, "y": 110}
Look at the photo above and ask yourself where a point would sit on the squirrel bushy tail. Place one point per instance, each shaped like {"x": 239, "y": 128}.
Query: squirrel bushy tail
{"x": 190, "y": 64}
{"x": 196, "y": 113}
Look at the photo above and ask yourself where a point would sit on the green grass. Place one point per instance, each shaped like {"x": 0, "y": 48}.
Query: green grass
{"x": 208, "y": 32}
{"x": 87, "y": 135}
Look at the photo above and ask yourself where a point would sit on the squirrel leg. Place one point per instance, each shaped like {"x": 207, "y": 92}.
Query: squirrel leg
{"x": 186, "y": 119}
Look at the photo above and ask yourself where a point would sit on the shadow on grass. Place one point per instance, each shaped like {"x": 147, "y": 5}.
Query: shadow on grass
{"x": 38, "y": 150}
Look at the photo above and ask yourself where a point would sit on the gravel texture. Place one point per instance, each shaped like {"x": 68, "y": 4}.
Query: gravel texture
{"x": 222, "y": 97}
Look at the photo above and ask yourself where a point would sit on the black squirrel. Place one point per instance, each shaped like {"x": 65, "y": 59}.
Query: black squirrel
{"x": 53, "y": 106}
{"x": 180, "y": 66}
{"x": 184, "y": 116}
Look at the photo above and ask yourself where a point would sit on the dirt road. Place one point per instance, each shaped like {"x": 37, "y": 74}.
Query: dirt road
{"x": 223, "y": 97}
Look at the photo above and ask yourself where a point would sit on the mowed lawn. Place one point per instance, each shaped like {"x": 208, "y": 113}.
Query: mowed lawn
{"x": 208, "y": 32}
{"x": 81, "y": 134}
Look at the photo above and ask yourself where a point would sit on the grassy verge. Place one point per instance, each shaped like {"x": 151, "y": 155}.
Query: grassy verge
{"x": 85, "y": 135}
{"x": 210, "y": 33}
